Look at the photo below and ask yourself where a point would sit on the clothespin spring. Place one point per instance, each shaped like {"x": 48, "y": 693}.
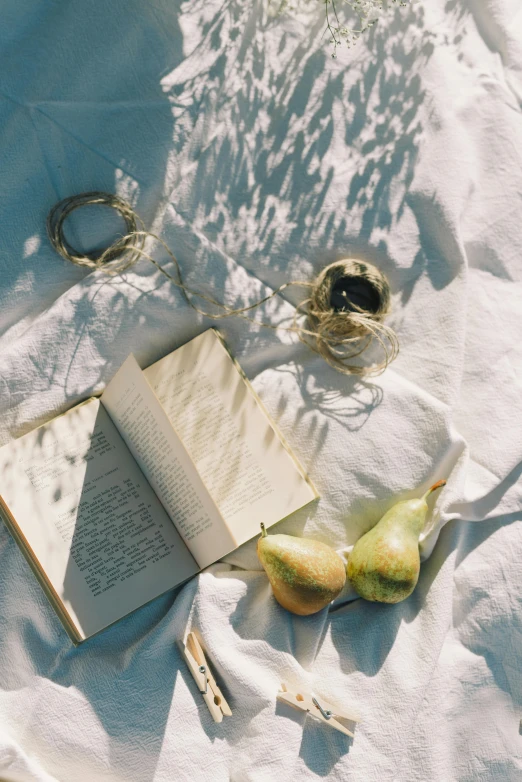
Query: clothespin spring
{"x": 203, "y": 670}
{"x": 327, "y": 714}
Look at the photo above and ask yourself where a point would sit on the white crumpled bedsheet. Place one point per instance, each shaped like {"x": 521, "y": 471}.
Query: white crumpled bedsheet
{"x": 259, "y": 158}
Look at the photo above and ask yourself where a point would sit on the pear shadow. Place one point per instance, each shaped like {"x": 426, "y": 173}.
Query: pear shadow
{"x": 258, "y": 616}
{"x": 462, "y": 538}
{"x": 373, "y": 627}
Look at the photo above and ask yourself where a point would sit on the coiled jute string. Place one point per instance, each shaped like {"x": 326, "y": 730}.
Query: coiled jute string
{"x": 342, "y": 316}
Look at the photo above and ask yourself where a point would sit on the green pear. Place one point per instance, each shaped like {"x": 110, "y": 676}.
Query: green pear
{"x": 305, "y": 574}
{"x": 384, "y": 564}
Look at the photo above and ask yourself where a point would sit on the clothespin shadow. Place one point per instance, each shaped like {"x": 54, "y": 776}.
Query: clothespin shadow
{"x": 201, "y": 671}
{"x": 320, "y": 709}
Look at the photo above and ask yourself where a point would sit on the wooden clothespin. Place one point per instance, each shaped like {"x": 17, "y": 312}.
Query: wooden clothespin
{"x": 319, "y": 709}
{"x": 200, "y": 670}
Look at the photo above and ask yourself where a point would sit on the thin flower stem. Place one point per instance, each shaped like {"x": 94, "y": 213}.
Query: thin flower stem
{"x": 367, "y": 13}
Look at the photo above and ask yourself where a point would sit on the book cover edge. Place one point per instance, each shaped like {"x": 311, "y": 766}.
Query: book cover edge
{"x": 49, "y": 591}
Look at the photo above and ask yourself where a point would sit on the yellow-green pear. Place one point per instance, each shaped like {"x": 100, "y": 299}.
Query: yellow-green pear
{"x": 305, "y": 574}
{"x": 384, "y": 564}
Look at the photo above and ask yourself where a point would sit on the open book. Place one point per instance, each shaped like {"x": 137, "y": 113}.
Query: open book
{"x": 128, "y": 495}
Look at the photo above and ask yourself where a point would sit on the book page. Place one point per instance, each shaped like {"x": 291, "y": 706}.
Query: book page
{"x": 145, "y": 427}
{"x": 90, "y": 518}
{"x": 239, "y": 454}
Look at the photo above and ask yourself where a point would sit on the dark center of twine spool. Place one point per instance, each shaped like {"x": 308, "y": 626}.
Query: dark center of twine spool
{"x": 350, "y": 294}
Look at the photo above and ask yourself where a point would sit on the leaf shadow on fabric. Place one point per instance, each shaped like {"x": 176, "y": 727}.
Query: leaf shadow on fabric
{"x": 81, "y": 129}
{"x": 85, "y": 116}
{"x": 272, "y": 174}
{"x": 267, "y": 164}
{"x": 283, "y": 175}
{"x": 390, "y": 135}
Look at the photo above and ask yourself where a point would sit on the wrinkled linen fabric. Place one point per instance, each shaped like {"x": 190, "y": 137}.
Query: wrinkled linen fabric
{"x": 258, "y": 158}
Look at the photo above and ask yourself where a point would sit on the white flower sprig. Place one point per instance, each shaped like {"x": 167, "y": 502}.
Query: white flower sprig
{"x": 367, "y": 12}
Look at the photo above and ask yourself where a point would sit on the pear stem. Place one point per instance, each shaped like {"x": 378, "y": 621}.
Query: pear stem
{"x": 263, "y": 530}
{"x": 435, "y": 486}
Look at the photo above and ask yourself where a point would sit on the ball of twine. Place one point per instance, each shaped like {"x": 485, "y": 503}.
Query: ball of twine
{"x": 342, "y": 328}
{"x": 342, "y": 317}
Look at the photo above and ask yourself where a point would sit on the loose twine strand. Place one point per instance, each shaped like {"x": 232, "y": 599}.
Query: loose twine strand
{"x": 337, "y": 334}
